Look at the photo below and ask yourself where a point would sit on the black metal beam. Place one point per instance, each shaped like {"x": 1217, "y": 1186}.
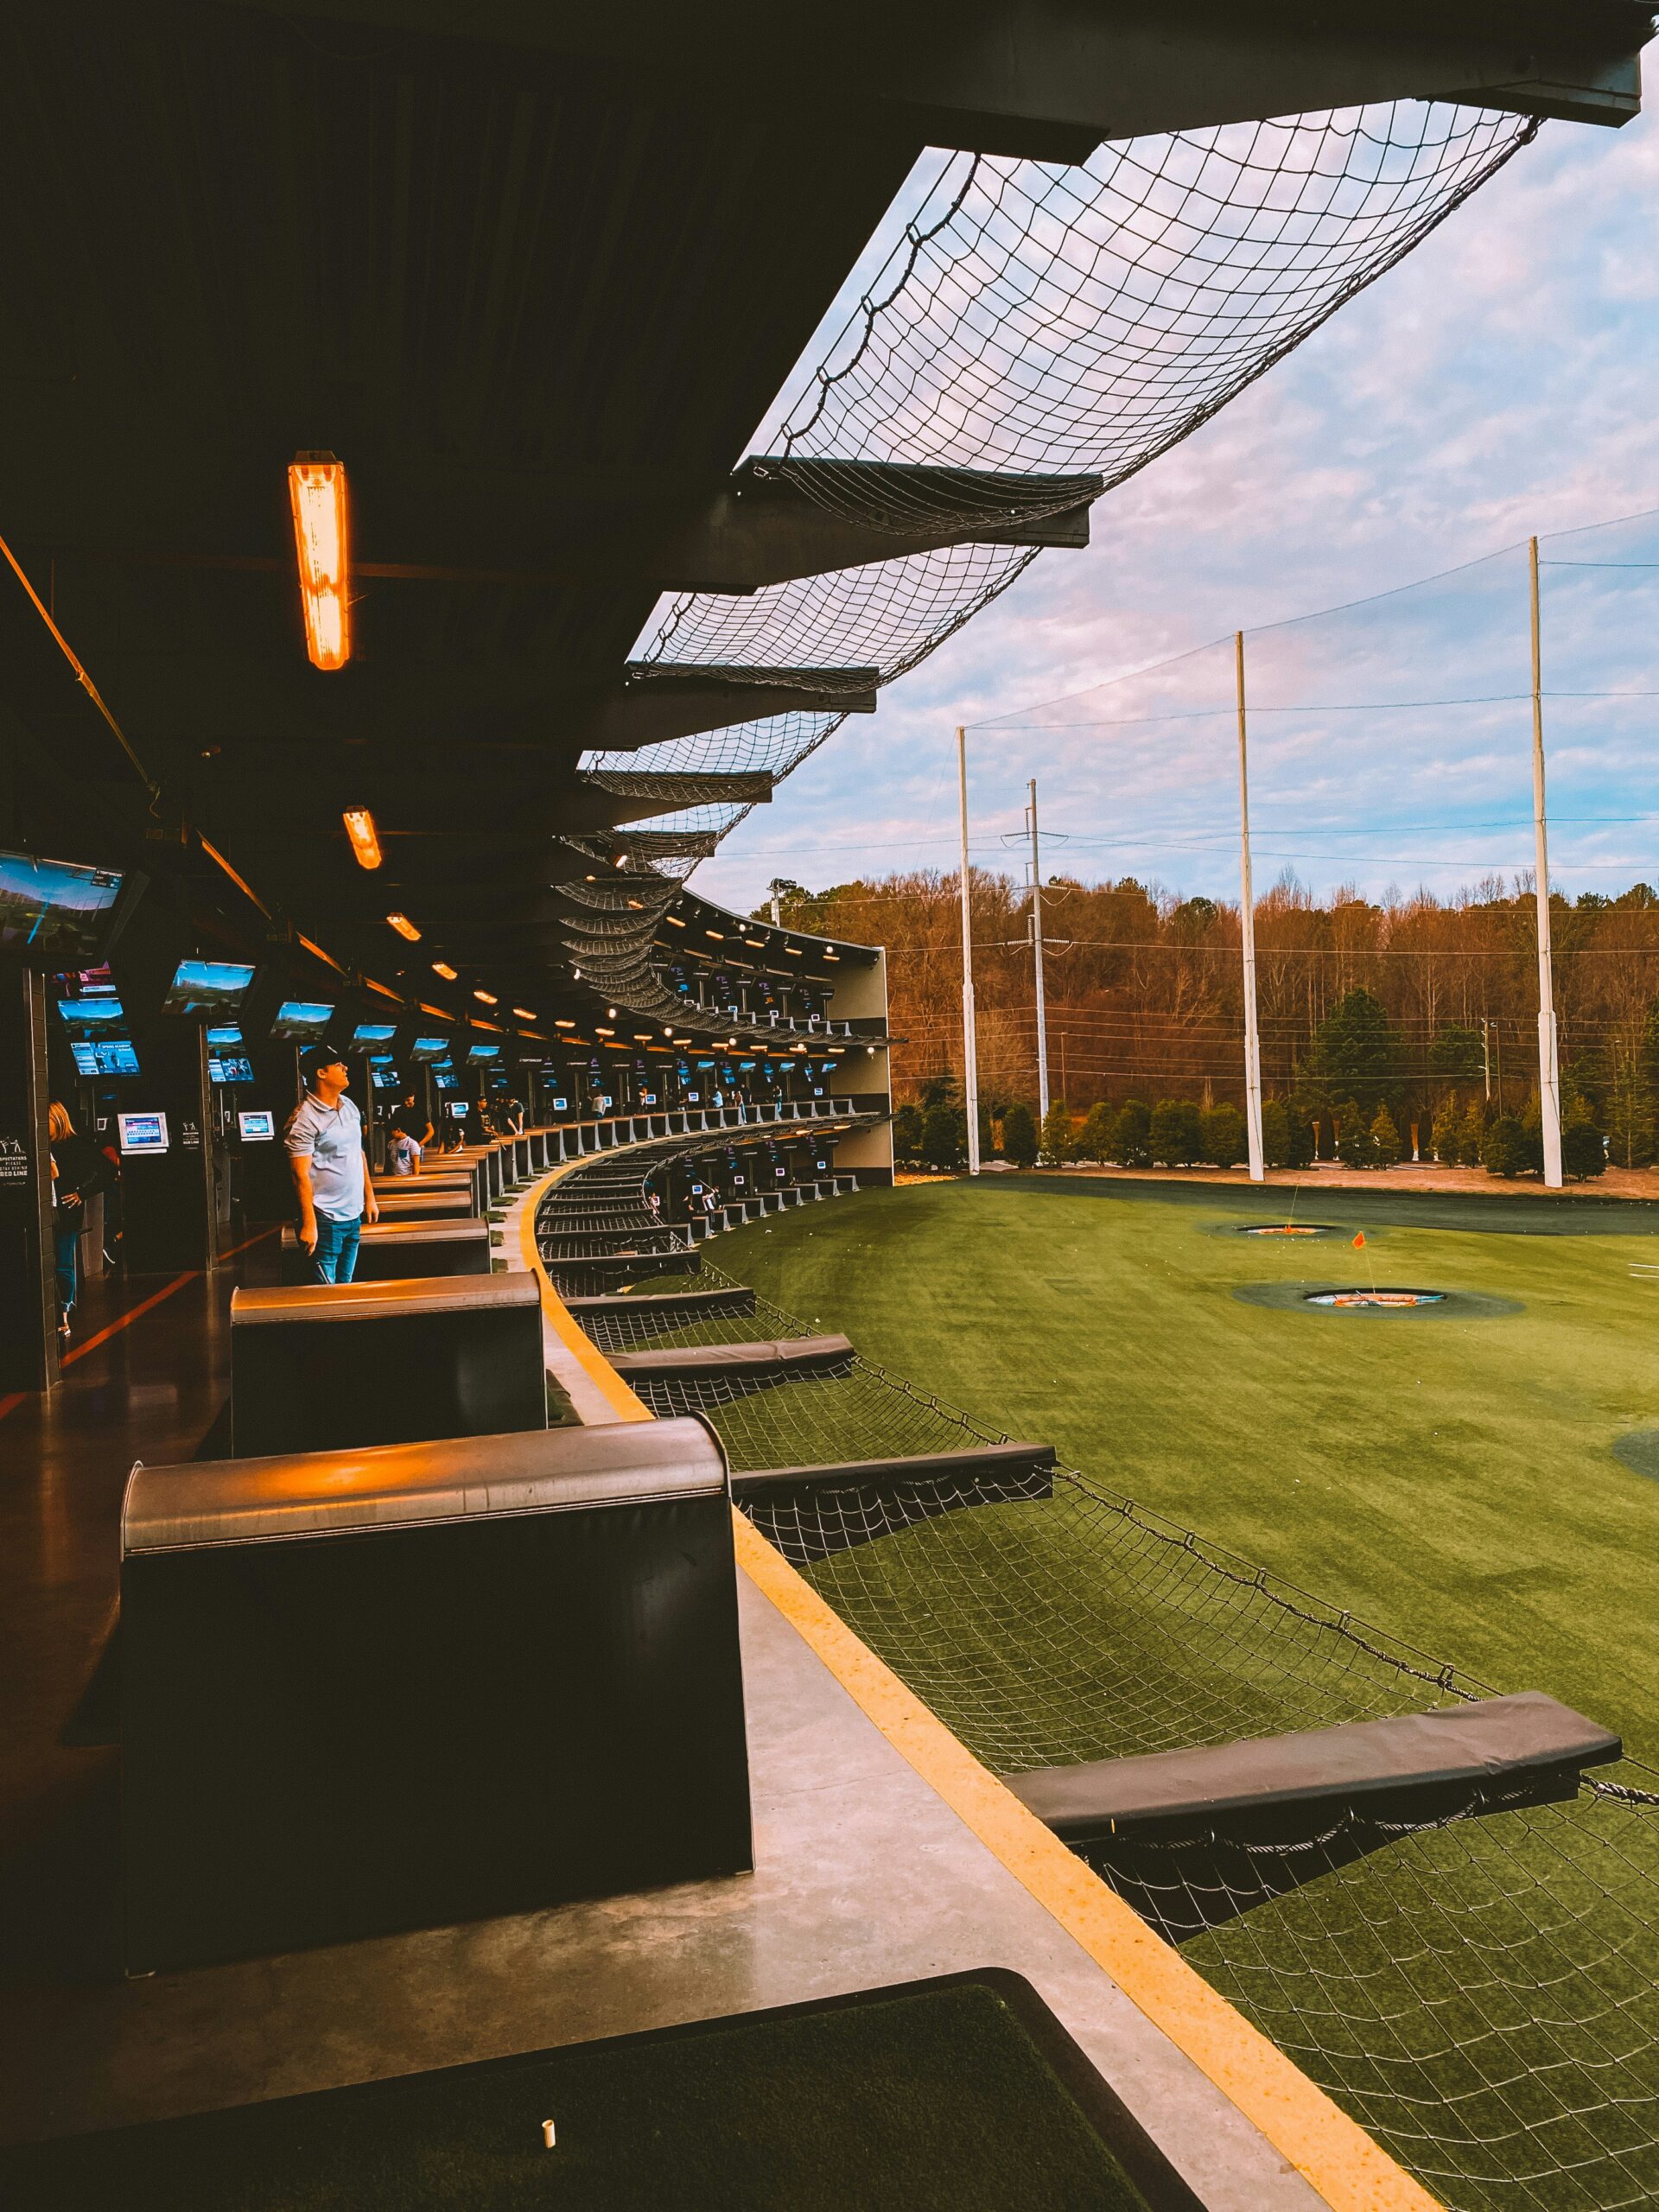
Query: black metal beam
{"x": 1047, "y": 78}
{"x": 661, "y": 700}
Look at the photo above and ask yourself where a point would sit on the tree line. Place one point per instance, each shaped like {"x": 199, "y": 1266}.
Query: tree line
{"x": 1418, "y": 1015}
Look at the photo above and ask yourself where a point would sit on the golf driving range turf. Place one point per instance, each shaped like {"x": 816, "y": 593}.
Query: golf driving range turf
{"x": 1451, "y": 1479}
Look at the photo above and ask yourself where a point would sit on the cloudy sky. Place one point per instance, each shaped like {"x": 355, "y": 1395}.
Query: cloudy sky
{"x": 1501, "y": 382}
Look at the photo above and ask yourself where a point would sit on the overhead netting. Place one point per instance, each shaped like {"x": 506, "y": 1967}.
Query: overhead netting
{"x": 1045, "y": 321}
{"x": 1479, "y": 1990}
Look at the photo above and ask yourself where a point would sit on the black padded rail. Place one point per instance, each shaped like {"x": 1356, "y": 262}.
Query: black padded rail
{"x": 1411, "y": 1767}
{"x": 323, "y": 1367}
{"x": 810, "y": 1512}
{"x": 673, "y": 1309}
{"x": 415, "y": 1204}
{"x": 781, "y": 1360}
{"x": 392, "y": 1251}
{"x": 466, "y": 1678}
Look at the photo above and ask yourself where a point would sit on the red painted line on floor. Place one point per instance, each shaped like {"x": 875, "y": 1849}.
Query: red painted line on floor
{"x": 10, "y": 1404}
{"x": 125, "y": 1320}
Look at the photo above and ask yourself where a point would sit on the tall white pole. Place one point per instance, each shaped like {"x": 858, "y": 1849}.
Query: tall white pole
{"x": 1036, "y": 950}
{"x": 1549, "y": 1067}
{"x": 1247, "y": 919}
{"x": 970, "y": 1042}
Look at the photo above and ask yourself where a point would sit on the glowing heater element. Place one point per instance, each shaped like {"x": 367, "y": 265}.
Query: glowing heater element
{"x": 442, "y": 968}
{"x": 404, "y": 927}
{"x": 316, "y": 489}
{"x": 360, "y": 827}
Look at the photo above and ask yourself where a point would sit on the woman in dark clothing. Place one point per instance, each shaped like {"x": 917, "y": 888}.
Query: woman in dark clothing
{"x": 79, "y": 1170}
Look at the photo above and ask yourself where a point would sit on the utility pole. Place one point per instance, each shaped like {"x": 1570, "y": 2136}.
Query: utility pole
{"x": 776, "y": 887}
{"x": 970, "y": 1042}
{"x": 1247, "y": 919}
{"x": 1486, "y": 1058}
{"x": 1549, "y": 1068}
{"x": 1037, "y": 956}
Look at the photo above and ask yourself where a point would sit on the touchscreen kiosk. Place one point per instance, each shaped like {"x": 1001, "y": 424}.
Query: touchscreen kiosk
{"x": 229, "y": 1067}
{"x": 256, "y": 1129}
{"x": 142, "y": 1132}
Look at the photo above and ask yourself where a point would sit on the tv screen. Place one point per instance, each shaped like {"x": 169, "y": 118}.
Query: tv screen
{"x": 142, "y": 1132}
{"x": 384, "y": 1078}
{"x": 207, "y": 987}
{"x": 227, "y": 1033}
{"x": 256, "y": 1129}
{"x": 429, "y": 1048}
{"x": 560, "y": 1105}
{"x": 460, "y": 1109}
{"x": 477, "y": 1053}
{"x": 374, "y": 1033}
{"x": 301, "y": 1021}
{"x": 54, "y": 908}
{"x": 93, "y": 1017}
{"x": 446, "y": 1082}
{"x": 230, "y": 1067}
{"x": 104, "y": 1056}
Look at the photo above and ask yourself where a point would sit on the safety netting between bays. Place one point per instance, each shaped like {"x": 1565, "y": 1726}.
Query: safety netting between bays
{"x": 1477, "y": 1990}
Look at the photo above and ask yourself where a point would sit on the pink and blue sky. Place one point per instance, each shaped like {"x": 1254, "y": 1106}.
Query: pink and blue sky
{"x": 1501, "y": 382}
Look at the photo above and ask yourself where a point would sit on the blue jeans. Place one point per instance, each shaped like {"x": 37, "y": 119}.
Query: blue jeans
{"x": 335, "y": 1257}
{"x": 65, "y": 1236}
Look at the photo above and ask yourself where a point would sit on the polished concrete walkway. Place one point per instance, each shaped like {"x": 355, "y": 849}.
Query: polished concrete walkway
{"x": 864, "y": 1876}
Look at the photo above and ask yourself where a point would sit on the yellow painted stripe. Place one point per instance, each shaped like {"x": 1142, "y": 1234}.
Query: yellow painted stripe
{"x": 594, "y": 1363}
{"x": 1332, "y": 2151}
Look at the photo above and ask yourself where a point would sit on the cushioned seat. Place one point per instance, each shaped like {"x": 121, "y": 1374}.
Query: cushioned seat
{"x": 380, "y": 1689}
{"x": 319, "y": 1367}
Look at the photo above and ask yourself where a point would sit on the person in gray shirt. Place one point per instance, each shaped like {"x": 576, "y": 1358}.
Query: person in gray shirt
{"x": 324, "y": 1138}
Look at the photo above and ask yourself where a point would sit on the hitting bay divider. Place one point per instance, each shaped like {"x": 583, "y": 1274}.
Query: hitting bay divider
{"x": 1458, "y": 1949}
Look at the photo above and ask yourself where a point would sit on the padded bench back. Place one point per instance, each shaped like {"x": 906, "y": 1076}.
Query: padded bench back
{"x": 389, "y": 1251}
{"x": 394, "y": 1689}
{"x": 414, "y": 1203}
{"x": 322, "y": 1368}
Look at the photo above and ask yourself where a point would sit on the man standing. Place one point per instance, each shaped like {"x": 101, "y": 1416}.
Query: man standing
{"x": 324, "y": 1138}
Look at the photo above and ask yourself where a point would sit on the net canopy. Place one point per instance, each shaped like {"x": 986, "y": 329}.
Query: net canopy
{"x": 1040, "y": 321}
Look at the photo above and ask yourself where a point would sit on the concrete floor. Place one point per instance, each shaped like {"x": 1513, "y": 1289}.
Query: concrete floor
{"x": 864, "y": 1877}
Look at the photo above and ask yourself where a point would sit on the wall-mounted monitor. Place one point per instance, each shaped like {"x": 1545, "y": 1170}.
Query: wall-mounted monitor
{"x": 207, "y": 987}
{"x": 374, "y": 1033}
{"x": 475, "y": 1054}
{"x": 142, "y": 1133}
{"x": 55, "y": 913}
{"x": 257, "y": 1128}
{"x": 429, "y": 1048}
{"x": 93, "y": 1017}
{"x": 301, "y": 1021}
{"x": 229, "y": 1067}
{"x": 225, "y": 1033}
{"x": 104, "y": 1056}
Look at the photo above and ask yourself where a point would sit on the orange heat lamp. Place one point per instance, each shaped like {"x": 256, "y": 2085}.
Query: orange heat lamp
{"x": 442, "y": 968}
{"x": 366, "y": 842}
{"x": 316, "y": 491}
{"x": 487, "y": 998}
{"x": 525, "y": 1012}
{"x": 404, "y": 927}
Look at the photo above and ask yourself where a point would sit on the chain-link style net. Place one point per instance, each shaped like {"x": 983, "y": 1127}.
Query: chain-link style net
{"x": 1476, "y": 1988}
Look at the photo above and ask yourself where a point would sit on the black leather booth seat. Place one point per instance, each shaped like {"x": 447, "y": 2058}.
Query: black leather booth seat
{"x": 320, "y": 1367}
{"x": 389, "y": 1251}
{"x": 375, "y": 1690}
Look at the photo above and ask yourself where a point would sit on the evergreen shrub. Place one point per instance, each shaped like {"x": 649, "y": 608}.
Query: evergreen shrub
{"x": 1176, "y": 1136}
{"x": 1020, "y": 1137}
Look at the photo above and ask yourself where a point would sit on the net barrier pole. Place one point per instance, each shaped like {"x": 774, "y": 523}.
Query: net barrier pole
{"x": 1247, "y": 934}
{"x": 1037, "y": 954}
{"x": 1549, "y": 1067}
{"x": 970, "y": 1041}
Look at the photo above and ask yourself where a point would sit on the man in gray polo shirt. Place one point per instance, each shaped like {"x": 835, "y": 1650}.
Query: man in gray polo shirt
{"x": 324, "y": 1138}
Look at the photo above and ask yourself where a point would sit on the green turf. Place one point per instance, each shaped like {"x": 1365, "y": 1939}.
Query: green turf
{"x": 1452, "y": 1480}
{"x": 937, "y": 2101}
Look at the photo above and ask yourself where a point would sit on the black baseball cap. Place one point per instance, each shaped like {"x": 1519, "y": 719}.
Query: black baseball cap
{"x": 320, "y": 1057}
